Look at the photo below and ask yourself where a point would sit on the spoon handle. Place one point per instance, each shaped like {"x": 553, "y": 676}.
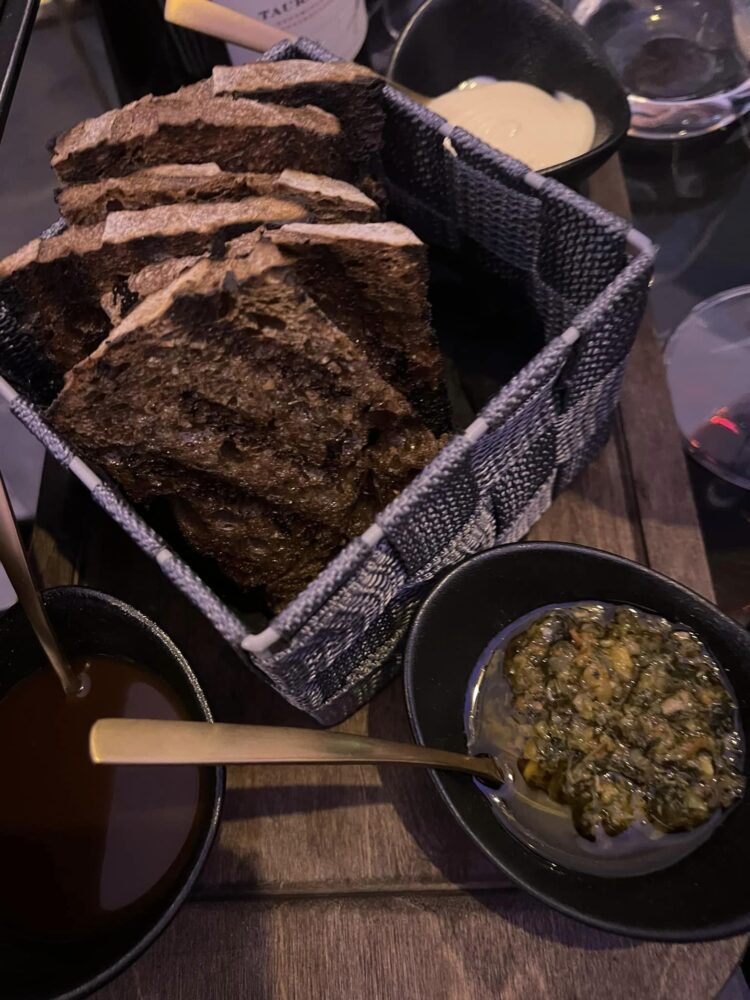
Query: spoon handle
{"x": 145, "y": 741}
{"x": 13, "y": 559}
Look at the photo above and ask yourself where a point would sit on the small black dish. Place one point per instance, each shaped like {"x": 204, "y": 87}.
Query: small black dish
{"x": 533, "y": 41}
{"x": 89, "y": 623}
{"x": 704, "y": 896}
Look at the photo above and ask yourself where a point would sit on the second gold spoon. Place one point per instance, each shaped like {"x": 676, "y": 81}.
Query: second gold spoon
{"x": 145, "y": 741}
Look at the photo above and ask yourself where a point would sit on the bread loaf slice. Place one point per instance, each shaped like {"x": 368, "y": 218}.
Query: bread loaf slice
{"x": 351, "y": 92}
{"x": 236, "y": 135}
{"x": 118, "y": 303}
{"x": 233, "y": 371}
{"x": 153, "y": 277}
{"x": 371, "y": 281}
{"x": 254, "y": 543}
{"x": 326, "y": 199}
{"x": 333, "y": 263}
{"x": 53, "y": 287}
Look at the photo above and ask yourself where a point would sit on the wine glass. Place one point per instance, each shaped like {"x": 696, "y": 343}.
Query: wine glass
{"x": 708, "y": 370}
{"x": 684, "y": 63}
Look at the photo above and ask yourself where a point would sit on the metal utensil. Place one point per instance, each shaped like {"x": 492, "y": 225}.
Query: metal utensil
{"x": 145, "y": 741}
{"x": 13, "y": 559}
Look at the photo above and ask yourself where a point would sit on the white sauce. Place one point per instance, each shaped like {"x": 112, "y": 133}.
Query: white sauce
{"x": 523, "y": 121}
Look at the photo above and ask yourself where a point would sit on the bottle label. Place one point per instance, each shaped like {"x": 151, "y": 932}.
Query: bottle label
{"x": 338, "y": 25}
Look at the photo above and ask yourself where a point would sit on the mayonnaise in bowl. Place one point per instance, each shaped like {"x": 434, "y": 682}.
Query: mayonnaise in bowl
{"x": 521, "y": 120}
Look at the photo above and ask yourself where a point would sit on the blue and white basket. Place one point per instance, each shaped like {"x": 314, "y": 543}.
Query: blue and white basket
{"x": 585, "y": 272}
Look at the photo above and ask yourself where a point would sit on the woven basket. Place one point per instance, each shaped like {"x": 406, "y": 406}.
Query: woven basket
{"x": 585, "y": 274}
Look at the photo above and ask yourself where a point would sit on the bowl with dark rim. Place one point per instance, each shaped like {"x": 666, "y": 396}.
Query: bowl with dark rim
{"x": 89, "y": 623}
{"x": 703, "y": 896}
{"x": 530, "y": 41}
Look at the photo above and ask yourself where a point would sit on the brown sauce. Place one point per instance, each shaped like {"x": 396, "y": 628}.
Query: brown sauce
{"x": 84, "y": 847}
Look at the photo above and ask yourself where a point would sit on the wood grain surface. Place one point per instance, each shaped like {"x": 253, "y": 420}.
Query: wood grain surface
{"x": 652, "y": 453}
{"x": 436, "y": 946}
{"x": 355, "y": 882}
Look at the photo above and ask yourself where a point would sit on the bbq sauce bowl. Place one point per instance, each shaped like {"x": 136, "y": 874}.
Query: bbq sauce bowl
{"x": 121, "y": 882}
{"x": 530, "y": 41}
{"x": 703, "y": 895}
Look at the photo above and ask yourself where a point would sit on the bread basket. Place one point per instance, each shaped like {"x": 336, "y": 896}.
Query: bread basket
{"x": 585, "y": 274}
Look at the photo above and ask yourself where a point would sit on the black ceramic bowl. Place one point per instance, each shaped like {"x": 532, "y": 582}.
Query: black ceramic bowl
{"x": 533, "y": 41}
{"x": 706, "y": 894}
{"x": 90, "y": 623}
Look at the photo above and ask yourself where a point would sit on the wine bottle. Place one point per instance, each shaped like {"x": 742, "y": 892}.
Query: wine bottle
{"x": 338, "y": 25}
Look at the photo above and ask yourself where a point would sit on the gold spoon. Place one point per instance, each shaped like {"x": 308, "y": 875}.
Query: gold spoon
{"x": 153, "y": 741}
{"x": 146, "y": 741}
{"x": 13, "y": 559}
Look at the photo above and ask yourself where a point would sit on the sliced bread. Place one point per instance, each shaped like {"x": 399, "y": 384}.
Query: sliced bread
{"x": 326, "y": 199}
{"x": 53, "y": 287}
{"x": 236, "y": 135}
{"x": 233, "y": 371}
{"x": 118, "y": 302}
{"x": 371, "y": 281}
{"x": 351, "y": 92}
{"x": 254, "y": 543}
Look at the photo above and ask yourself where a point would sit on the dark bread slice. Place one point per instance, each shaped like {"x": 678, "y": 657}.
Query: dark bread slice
{"x": 154, "y": 277}
{"x": 351, "y": 92}
{"x": 371, "y": 281}
{"x": 54, "y": 287}
{"x": 259, "y": 545}
{"x": 326, "y": 199}
{"x": 244, "y": 245}
{"x": 233, "y": 371}
{"x": 237, "y": 135}
{"x": 151, "y": 278}
{"x": 253, "y": 542}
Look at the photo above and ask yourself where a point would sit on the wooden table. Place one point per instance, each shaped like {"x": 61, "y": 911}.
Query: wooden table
{"x": 354, "y": 882}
